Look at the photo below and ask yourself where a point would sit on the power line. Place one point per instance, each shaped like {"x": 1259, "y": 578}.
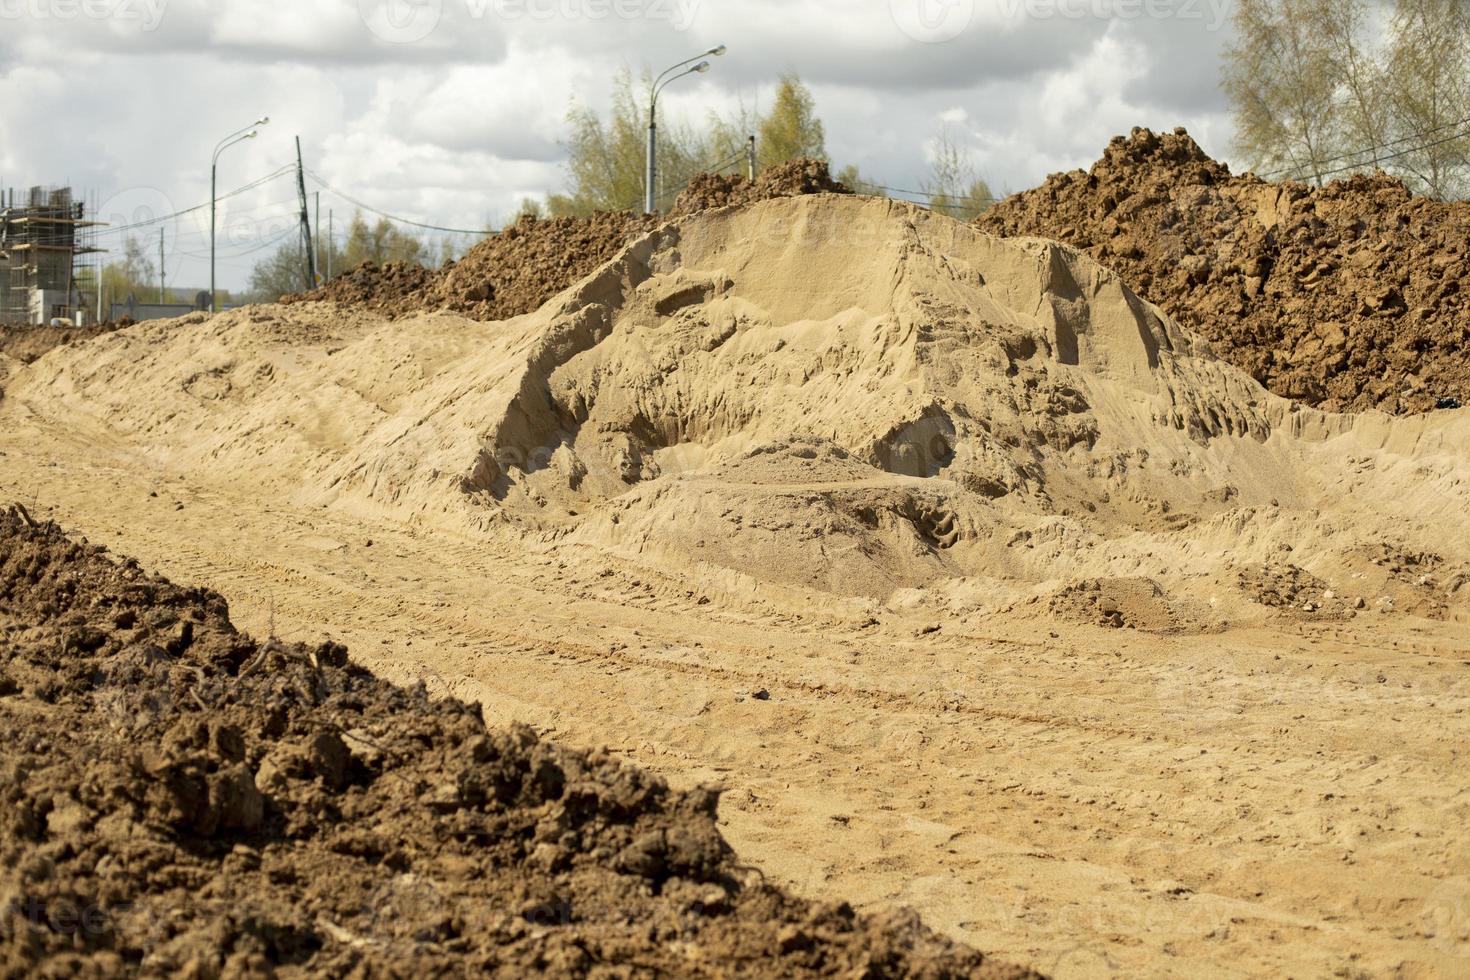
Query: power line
{"x": 393, "y": 217}
{"x": 266, "y": 243}
{"x": 232, "y": 229}
{"x": 925, "y": 194}
{"x": 1379, "y": 146}
{"x": 707, "y": 169}
{"x": 118, "y": 229}
{"x": 1394, "y": 156}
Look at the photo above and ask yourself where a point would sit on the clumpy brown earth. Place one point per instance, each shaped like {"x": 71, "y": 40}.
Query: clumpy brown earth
{"x": 528, "y": 263}
{"x": 801, "y": 176}
{"x": 1346, "y": 297}
{"x": 25, "y": 343}
{"x": 179, "y": 799}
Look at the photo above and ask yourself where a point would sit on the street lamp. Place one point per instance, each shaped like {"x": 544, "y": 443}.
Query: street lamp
{"x": 248, "y": 133}
{"x": 659, "y": 84}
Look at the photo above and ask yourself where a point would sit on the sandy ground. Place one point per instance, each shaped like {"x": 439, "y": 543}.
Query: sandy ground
{"x": 1265, "y": 801}
{"x": 924, "y": 704}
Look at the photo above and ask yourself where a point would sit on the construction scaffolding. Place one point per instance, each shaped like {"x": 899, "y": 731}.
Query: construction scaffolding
{"x": 48, "y": 265}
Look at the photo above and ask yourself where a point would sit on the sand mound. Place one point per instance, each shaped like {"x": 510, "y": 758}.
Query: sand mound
{"x": 182, "y": 799}
{"x": 522, "y": 267}
{"x": 1348, "y": 297}
{"x": 823, "y": 394}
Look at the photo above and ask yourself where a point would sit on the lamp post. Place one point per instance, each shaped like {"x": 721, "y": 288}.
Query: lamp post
{"x": 248, "y": 133}
{"x": 659, "y": 84}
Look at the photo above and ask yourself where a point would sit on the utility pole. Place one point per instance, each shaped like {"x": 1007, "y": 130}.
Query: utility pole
{"x": 750, "y": 158}
{"x": 318, "y": 238}
{"x": 162, "y": 291}
{"x": 331, "y": 243}
{"x": 305, "y": 220}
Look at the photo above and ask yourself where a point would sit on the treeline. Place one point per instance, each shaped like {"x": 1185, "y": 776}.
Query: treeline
{"x": 381, "y": 242}
{"x": 134, "y": 273}
{"x": 606, "y": 158}
{"x": 1322, "y": 88}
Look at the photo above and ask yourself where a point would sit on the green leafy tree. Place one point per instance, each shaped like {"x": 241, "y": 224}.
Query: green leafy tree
{"x": 791, "y": 129}
{"x": 530, "y": 208}
{"x": 451, "y": 247}
{"x": 607, "y": 158}
{"x": 853, "y": 178}
{"x": 1319, "y": 89}
{"x": 1363, "y": 86}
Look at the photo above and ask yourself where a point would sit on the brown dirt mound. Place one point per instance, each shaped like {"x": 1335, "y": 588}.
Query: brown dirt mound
{"x": 803, "y": 176}
{"x": 526, "y": 264}
{"x": 1290, "y": 588}
{"x": 390, "y": 288}
{"x": 1346, "y": 297}
{"x": 179, "y": 799}
{"x": 1134, "y": 603}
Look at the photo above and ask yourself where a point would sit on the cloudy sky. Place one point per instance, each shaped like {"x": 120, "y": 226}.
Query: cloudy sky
{"x": 452, "y": 111}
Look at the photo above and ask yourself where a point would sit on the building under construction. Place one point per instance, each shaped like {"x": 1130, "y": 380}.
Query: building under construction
{"x": 47, "y": 265}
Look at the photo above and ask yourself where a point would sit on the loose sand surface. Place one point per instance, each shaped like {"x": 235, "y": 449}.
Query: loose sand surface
{"x": 978, "y": 584}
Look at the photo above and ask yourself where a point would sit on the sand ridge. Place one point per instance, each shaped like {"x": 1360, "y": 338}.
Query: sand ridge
{"x": 822, "y": 392}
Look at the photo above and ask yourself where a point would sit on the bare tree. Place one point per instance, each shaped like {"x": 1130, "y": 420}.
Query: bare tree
{"x": 1346, "y": 32}
{"x": 1320, "y": 88}
{"x": 1285, "y": 84}
{"x": 953, "y": 186}
{"x": 1429, "y": 94}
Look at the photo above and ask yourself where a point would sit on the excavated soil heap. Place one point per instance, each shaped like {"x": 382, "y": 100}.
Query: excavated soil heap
{"x": 25, "y": 343}
{"x": 802, "y": 176}
{"x": 519, "y": 269}
{"x": 1346, "y": 297}
{"x": 180, "y": 799}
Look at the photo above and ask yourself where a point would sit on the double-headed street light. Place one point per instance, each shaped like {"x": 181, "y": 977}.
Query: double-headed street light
{"x": 248, "y": 133}
{"x": 659, "y": 84}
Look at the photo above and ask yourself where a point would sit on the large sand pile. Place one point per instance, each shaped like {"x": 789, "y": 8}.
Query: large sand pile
{"x": 1348, "y": 297}
{"x": 854, "y": 396}
{"x": 182, "y": 800}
